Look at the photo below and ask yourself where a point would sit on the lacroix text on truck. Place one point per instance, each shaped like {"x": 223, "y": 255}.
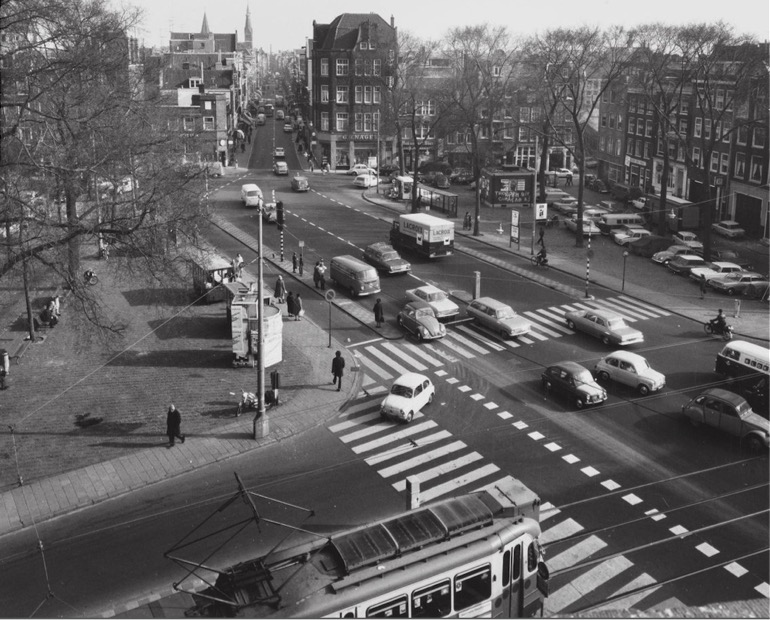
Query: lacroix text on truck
{"x": 424, "y": 234}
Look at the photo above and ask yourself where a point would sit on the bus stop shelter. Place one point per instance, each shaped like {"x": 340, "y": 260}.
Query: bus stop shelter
{"x": 438, "y": 200}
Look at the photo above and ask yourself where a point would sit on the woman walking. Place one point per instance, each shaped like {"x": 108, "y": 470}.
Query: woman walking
{"x": 298, "y": 307}
{"x": 280, "y": 290}
{"x": 291, "y": 306}
{"x": 379, "y": 313}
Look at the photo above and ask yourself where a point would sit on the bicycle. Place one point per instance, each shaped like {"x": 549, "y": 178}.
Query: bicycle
{"x": 539, "y": 261}
{"x": 90, "y": 278}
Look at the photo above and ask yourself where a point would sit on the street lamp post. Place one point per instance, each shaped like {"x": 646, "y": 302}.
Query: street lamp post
{"x": 623, "y": 285}
{"x": 261, "y": 424}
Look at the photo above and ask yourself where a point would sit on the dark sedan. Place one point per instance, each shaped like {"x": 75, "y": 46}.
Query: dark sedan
{"x": 681, "y": 265}
{"x": 418, "y": 319}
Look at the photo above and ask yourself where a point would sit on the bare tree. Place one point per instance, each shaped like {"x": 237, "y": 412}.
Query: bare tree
{"x": 483, "y": 58}
{"x": 579, "y": 66}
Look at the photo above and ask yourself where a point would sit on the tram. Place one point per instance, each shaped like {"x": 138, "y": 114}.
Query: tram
{"x": 475, "y": 555}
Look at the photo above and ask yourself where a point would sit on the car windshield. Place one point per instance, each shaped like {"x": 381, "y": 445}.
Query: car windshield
{"x": 424, "y": 312}
{"x": 505, "y": 313}
{"x": 390, "y": 255}
{"x": 583, "y": 376}
{"x": 437, "y": 296}
{"x": 253, "y": 193}
{"x": 401, "y": 390}
{"x": 616, "y": 323}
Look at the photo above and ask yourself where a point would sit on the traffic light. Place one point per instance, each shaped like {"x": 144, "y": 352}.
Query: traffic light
{"x": 279, "y": 214}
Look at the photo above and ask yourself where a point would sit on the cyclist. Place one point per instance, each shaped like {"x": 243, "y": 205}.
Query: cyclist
{"x": 89, "y": 275}
{"x": 542, "y": 256}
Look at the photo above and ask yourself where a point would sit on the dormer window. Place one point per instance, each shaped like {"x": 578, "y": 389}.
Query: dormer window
{"x": 195, "y": 82}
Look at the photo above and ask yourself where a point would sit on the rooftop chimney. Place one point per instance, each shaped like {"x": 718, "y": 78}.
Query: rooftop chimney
{"x": 392, "y": 22}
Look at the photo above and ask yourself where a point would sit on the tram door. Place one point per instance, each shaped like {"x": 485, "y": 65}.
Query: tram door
{"x": 520, "y": 579}
{"x": 512, "y": 570}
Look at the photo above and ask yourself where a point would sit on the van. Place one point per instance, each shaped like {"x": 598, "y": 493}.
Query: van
{"x": 251, "y": 195}
{"x": 748, "y": 366}
{"x": 355, "y": 276}
{"x": 279, "y": 115}
{"x": 612, "y": 221}
{"x": 260, "y": 119}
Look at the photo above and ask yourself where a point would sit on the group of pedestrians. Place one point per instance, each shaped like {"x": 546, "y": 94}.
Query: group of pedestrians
{"x": 293, "y": 301}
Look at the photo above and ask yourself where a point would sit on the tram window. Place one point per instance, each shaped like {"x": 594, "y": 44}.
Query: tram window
{"x": 517, "y": 562}
{"x": 506, "y": 568}
{"x": 531, "y": 557}
{"x": 432, "y": 601}
{"x": 473, "y": 587}
{"x": 394, "y": 608}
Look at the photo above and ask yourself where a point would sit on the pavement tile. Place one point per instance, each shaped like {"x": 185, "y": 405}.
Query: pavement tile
{"x": 51, "y": 495}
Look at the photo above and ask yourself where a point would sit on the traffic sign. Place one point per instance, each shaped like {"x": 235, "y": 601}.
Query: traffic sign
{"x": 330, "y": 295}
{"x": 541, "y": 211}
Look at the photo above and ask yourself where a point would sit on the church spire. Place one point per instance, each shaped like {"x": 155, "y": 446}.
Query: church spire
{"x": 205, "y": 26}
{"x": 247, "y": 33}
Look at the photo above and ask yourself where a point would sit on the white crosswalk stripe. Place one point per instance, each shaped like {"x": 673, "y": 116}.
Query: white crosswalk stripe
{"x": 412, "y": 429}
{"x": 386, "y": 359}
{"x": 546, "y": 318}
{"x": 641, "y": 304}
{"x": 394, "y": 350}
{"x": 584, "y": 583}
{"x": 444, "y": 468}
{"x": 466, "y": 342}
{"x": 602, "y": 304}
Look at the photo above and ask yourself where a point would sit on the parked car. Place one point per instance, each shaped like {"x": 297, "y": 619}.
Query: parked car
{"x": 684, "y": 237}
{"x": 441, "y": 181}
{"x": 388, "y": 169}
{"x": 461, "y": 176}
{"x": 728, "y": 228}
{"x": 731, "y": 256}
{"x": 567, "y": 207}
{"x": 498, "y": 317}
{"x": 599, "y": 186}
{"x": 408, "y": 395}
{"x": 365, "y": 180}
{"x": 299, "y": 183}
{"x": 627, "y": 234}
{"x": 649, "y": 245}
{"x": 630, "y": 369}
{"x": 437, "y": 299}
{"x": 729, "y": 413}
{"x": 757, "y": 290}
{"x": 281, "y": 168}
{"x": 287, "y": 128}
{"x": 664, "y": 256}
{"x": 714, "y": 270}
{"x": 682, "y": 264}
{"x": 639, "y": 203}
{"x": 608, "y": 326}
{"x": 574, "y": 381}
{"x": 554, "y": 193}
{"x": 279, "y": 152}
{"x": 418, "y": 319}
{"x": 736, "y": 283}
{"x": 561, "y": 173}
{"x": 385, "y": 258}
{"x": 357, "y": 169}
{"x": 594, "y": 213}
{"x": 589, "y": 227}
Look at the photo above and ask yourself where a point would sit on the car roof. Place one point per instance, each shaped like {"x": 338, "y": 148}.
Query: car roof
{"x": 492, "y": 303}
{"x": 606, "y": 314}
{"x": 429, "y": 288}
{"x": 627, "y": 356}
{"x": 728, "y": 222}
{"x": 418, "y": 305}
{"x": 380, "y": 245}
{"x": 721, "y": 263}
{"x": 686, "y": 258}
{"x": 410, "y": 379}
{"x": 572, "y": 367}
{"x": 730, "y": 397}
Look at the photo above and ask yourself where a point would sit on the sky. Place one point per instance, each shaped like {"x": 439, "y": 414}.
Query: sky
{"x": 284, "y": 25}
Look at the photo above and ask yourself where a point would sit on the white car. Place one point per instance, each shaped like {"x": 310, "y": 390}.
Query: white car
{"x": 360, "y": 169}
{"x": 279, "y": 152}
{"x": 728, "y": 228}
{"x": 715, "y": 270}
{"x": 561, "y": 173}
{"x": 594, "y": 213}
{"x": 589, "y": 226}
{"x": 365, "y": 180}
{"x": 443, "y": 307}
{"x": 280, "y": 168}
{"x": 626, "y": 235}
{"x": 689, "y": 239}
{"x": 498, "y": 317}
{"x": 630, "y": 369}
{"x": 408, "y": 395}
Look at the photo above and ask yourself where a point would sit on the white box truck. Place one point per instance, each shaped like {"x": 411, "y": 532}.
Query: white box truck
{"x": 423, "y": 234}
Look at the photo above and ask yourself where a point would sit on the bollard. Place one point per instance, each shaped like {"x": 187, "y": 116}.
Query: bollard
{"x": 5, "y": 369}
{"x": 275, "y": 383}
{"x": 737, "y": 308}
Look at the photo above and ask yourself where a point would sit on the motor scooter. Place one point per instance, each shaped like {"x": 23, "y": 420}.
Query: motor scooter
{"x": 726, "y": 332}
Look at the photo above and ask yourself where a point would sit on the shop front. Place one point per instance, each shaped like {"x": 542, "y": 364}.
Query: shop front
{"x": 343, "y": 150}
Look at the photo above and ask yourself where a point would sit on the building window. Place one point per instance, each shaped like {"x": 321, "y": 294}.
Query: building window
{"x": 714, "y": 162}
{"x": 324, "y": 93}
{"x": 208, "y": 123}
{"x": 342, "y": 67}
{"x": 612, "y": 121}
{"x": 646, "y": 150}
{"x": 756, "y": 169}
{"x": 617, "y": 147}
{"x": 342, "y": 94}
{"x": 371, "y": 45}
{"x": 523, "y": 134}
{"x": 696, "y": 156}
{"x": 620, "y": 121}
{"x": 638, "y": 148}
{"x": 496, "y": 70}
{"x": 729, "y": 100}
{"x": 632, "y": 104}
{"x": 724, "y": 163}
{"x": 524, "y": 115}
{"x": 359, "y": 123}
{"x": 377, "y": 70}
{"x": 630, "y": 146}
{"x": 363, "y": 45}
{"x": 720, "y": 103}
{"x": 324, "y": 66}
{"x": 207, "y": 105}
{"x": 376, "y": 98}
{"x": 359, "y": 94}
{"x": 188, "y": 123}
{"x": 376, "y": 121}
{"x": 324, "y": 121}
{"x": 759, "y": 138}
{"x": 368, "y": 66}
{"x": 367, "y": 94}
{"x": 359, "y": 66}
{"x": 743, "y": 134}
{"x": 640, "y": 129}
{"x": 604, "y": 120}
{"x": 683, "y": 127}
{"x": 648, "y": 128}
{"x": 740, "y": 166}
{"x": 707, "y": 129}
{"x": 698, "y": 127}
{"x": 631, "y": 125}
{"x": 367, "y": 122}
{"x": 342, "y": 121}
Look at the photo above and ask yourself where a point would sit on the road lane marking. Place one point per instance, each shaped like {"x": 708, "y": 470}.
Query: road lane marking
{"x": 412, "y": 429}
{"x": 440, "y": 470}
{"x": 422, "y": 458}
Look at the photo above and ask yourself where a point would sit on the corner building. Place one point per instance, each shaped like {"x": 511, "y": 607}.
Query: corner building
{"x": 353, "y": 64}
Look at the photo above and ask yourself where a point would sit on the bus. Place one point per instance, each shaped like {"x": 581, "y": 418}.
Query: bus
{"x": 476, "y": 555}
{"x": 269, "y": 109}
{"x": 748, "y": 365}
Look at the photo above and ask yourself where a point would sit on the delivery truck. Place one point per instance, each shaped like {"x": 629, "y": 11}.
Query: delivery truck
{"x": 423, "y": 234}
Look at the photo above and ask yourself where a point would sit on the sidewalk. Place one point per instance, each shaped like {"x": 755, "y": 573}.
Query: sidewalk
{"x": 643, "y": 279}
{"x": 89, "y": 424}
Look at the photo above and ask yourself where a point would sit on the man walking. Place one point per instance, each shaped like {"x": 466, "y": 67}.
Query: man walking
{"x": 379, "y": 314}
{"x": 338, "y": 368}
{"x": 322, "y": 274}
{"x": 294, "y": 262}
{"x": 173, "y": 425}
{"x": 702, "y": 283}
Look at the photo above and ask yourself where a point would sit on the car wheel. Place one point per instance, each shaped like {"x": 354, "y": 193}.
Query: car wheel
{"x": 400, "y": 321}
{"x": 730, "y": 291}
{"x": 605, "y": 339}
{"x": 547, "y": 385}
{"x": 409, "y": 417}
{"x": 503, "y": 334}
{"x": 754, "y": 444}
{"x": 419, "y": 336}
{"x": 352, "y": 292}
{"x": 571, "y": 324}
{"x": 579, "y": 402}
{"x": 604, "y": 375}
{"x": 643, "y": 389}
{"x": 430, "y": 398}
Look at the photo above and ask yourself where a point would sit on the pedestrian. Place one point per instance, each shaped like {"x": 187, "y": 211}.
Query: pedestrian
{"x": 322, "y": 274}
{"x": 56, "y": 301}
{"x": 280, "y": 290}
{"x": 173, "y": 425}
{"x": 238, "y": 265}
{"x": 290, "y": 306}
{"x": 301, "y": 265}
{"x": 312, "y": 168}
{"x": 540, "y": 239}
{"x": 569, "y": 179}
{"x": 294, "y": 262}
{"x": 338, "y": 369}
{"x": 299, "y": 310}
{"x": 702, "y": 283}
{"x": 465, "y": 221}
{"x": 316, "y": 273}
{"x": 379, "y": 314}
